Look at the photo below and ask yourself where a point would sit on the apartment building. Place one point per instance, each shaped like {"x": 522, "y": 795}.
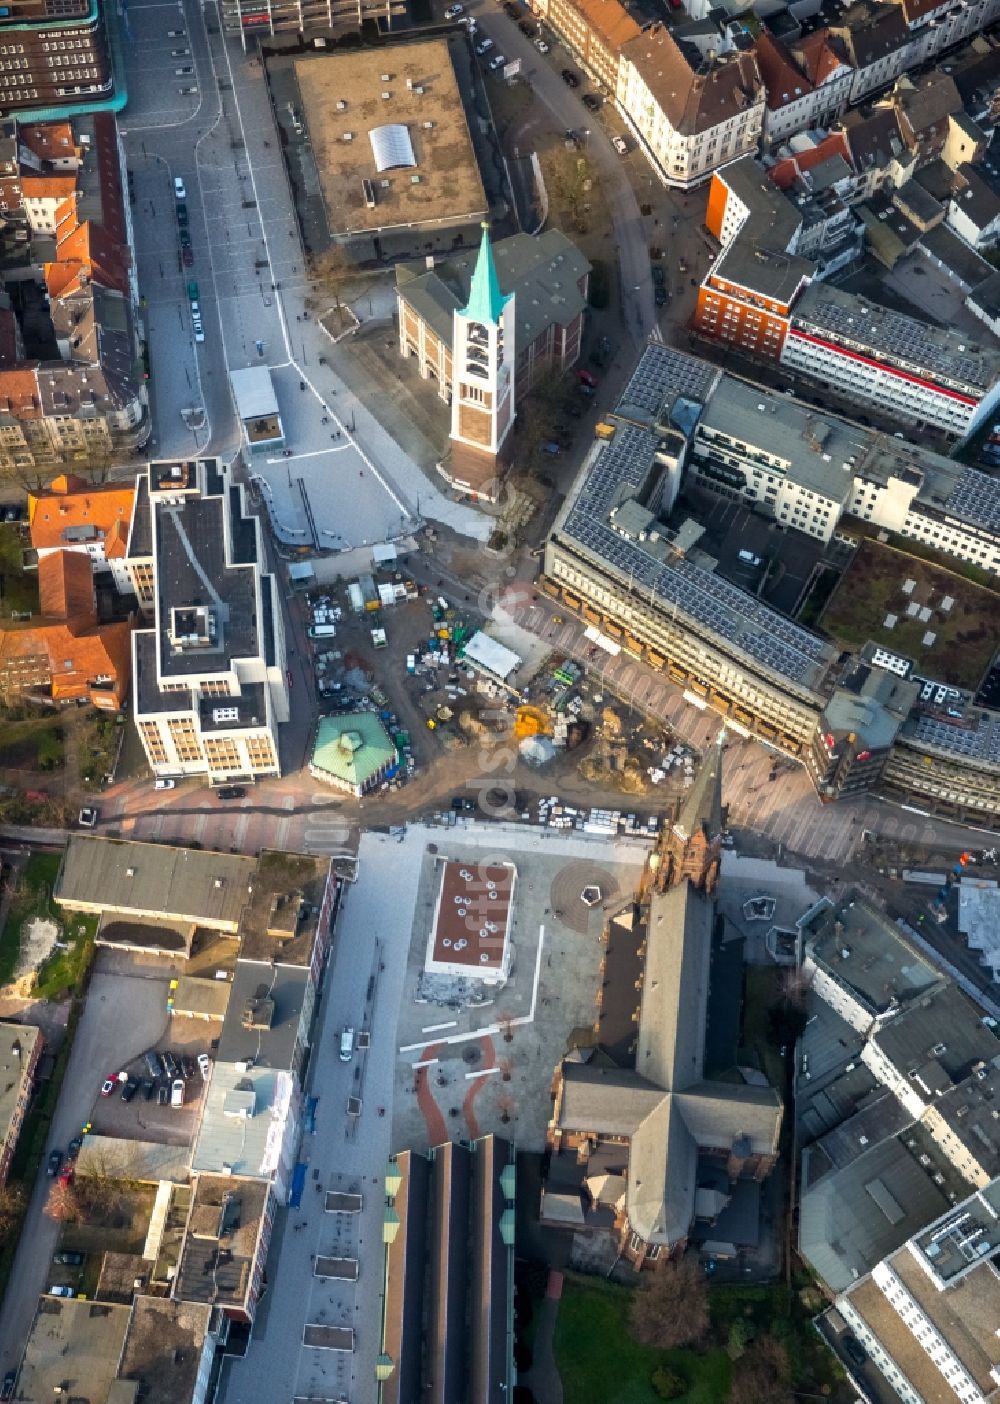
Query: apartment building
{"x": 89, "y": 519}
{"x": 875, "y": 39}
{"x": 689, "y": 111}
{"x": 923, "y": 375}
{"x": 65, "y": 653}
{"x": 210, "y": 686}
{"x": 72, "y": 385}
{"x": 20, "y": 1049}
{"x": 858, "y": 728}
{"x": 948, "y": 763}
{"x": 924, "y": 1313}
{"x": 594, "y": 32}
{"x": 808, "y": 83}
{"x": 54, "y": 54}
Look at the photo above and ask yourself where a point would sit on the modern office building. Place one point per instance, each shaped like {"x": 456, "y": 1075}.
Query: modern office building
{"x": 925, "y": 376}
{"x": 261, "y": 18}
{"x": 210, "y": 677}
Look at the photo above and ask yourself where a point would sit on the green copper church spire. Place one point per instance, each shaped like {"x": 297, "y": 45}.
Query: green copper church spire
{"x": 486, "y": 301}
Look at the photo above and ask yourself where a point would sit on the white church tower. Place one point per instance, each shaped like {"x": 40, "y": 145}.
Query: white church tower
{"x": 483, "y": 354}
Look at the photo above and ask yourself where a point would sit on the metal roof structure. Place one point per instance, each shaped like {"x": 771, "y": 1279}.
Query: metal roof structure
{"x": 253, "y": 391}
{"x": 486, "y": 301}
{"x": 391, "y": 147}
{"x": 492, "y": 657}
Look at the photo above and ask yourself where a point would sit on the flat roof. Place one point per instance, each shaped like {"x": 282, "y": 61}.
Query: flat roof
{"x": 125, "y": 1158}
{"x": 220, "y": 1242}
{"x": 815, "y": 450}
{"x": 163, "y": 1349}
{"x": 106, "y": 874}
{"x": 951, "y": 357}
{"x": 625, "y": 467}
{"x": 73, "y": 1349}
{"x": 281, "y": 920}
{"x": 864, "y": 951}
{"x": 344, "y": 94}
{"x": 253, "y": 391}
{"x": 969, "y": 1233}
{"x": 17, "y": 1046}
{"x": 244, "y": 1111}
{"x": 263, "y": 1016}
{"x": 473, "y": 915}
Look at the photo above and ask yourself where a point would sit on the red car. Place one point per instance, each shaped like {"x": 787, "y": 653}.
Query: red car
{"x": 188, "y": 257}
{"x": 108, "y": 1086}
{"x": 587, "y": 378}
{"x": 66, "y": 1173}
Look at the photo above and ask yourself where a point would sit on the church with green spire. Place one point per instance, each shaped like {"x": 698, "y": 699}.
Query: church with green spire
{"x": 483, "y": 325}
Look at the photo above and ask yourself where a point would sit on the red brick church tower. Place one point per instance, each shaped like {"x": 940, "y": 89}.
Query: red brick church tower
{"x": 692, "y": 846}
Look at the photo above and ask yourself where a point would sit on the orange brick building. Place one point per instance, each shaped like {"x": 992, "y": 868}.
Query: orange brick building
{"x": 747, "y": 295}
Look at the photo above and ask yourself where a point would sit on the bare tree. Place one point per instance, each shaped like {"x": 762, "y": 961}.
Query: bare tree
{"x": 670, "y": 1309}
{"x": 12, "y": 1202}
{"x": 762, "y": 1374}
{"x": 333, "y": 272}
{"x": 63, "y": 1203}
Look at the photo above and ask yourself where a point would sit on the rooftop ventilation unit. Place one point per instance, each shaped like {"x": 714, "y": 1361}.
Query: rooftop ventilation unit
{"x": 427, "y": 126}
{"x": 341, "y": 105}
{"x": 386, "y": 96}
{"x": 348, "y": 136}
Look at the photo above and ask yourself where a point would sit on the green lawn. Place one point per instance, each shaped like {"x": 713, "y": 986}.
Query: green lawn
{"x": 18, "y": 588}
{"x": 601, "y": 1364}
{"x": 32, "y": 743}
{"x": 64, "y": 970}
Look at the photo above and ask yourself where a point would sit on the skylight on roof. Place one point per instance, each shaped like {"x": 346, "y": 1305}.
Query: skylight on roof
{"x": 391, "y": 147}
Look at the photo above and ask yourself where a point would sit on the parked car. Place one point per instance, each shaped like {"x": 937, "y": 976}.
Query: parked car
{"x": 61, "y": 1292}
{"x": 73, "y": 1149}
{"x": 199, "y": 330}
{"x": 541, "y": 46}
{"x": 853, "y": 1348}
{"x": 162, "y": 1095}
{"x": 204, "y": 1065}
{"x": 68, "y": 1259}
{"x": 169, "y": 1064}
{"x": 346, "y": 1045}
{"x": 108, "y": 1086}
{"x": 87, "y": 817}
{"x": 179, "y": 192}
{"x": 55, "y": 1160}
{"x": 187, "y": 1067}
{"x": 228, "y": 792}
{"x": 497, "y": 61}
{"x": 66, "y": 1173}
{"x": 165, "y": 785}
{"x": 177, "y": 1092}
{"x": 484, "y": 46}
{"x": 154, "y": 1063}
{"x": 7, "y": 1388}
{"x": 181, "y": 212}
{"x": 586, "y": 377}
{"x": 620, "y": 145}
{"x": 187, "y": 257}
{"x": 453, "y": 11}
{"x": 591, "y": 102}
{"x": 660, "y": 296}
{"x": 659, "y": 276}
{"x": 570, "y": 78}
{"x": 129, "y": 1090}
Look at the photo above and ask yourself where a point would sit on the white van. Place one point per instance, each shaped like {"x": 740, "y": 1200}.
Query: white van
{"x": 177, "y": 1092}
{"x": 748, "y": 558}
{"x": 346, "y": 1045}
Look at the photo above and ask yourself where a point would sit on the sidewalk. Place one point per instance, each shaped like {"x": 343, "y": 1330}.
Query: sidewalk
{"x": 543, "y": 1378}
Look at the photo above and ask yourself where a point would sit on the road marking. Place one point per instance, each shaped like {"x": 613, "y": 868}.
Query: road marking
{"x": 426, "y": 1063}
{"x": 433, "y": 1028}
{"x": 482, "y": 1072}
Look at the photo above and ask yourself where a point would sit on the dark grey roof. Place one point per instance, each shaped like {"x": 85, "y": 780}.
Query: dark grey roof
{"x": 858, "y": 947}
{"x": 987, "y": 295}
{"x": 403, "y": 1302}
{"x": 775, "y": 275}
{"x": 140, "y": 537}
{"x": 939, "y": 1039}
{"x": 773, "y": 219}
{"x": 492, "y": 1267}
{"x": 264, "y": 1014}
{"x": 149, "y": 696}
{"x": 852, "y": 1217}
{"x": 976, "y": 195}
{"x": 447, "y": 1338}
{"x": 945, "y": 245}
{"x": 871, "y": 31}
{"x": 675, "y": 987}
{"x": 917, "y": 201}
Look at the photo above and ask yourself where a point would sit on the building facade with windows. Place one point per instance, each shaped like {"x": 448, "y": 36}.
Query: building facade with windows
{"x": 53, "y": 54}
{"x": 210, "y": 675}
{"x": 20, "y": 1049}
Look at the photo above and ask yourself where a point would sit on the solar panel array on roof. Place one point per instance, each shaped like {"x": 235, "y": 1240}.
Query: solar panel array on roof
{"x": 704, "y": 597}
{"x": 664, "y": 374}
{"x": 976, "y": 498}
{"x": 926, "y": 349}
{"x": 981, "y": 742}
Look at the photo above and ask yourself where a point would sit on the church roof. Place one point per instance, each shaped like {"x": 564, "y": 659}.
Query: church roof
{"x": 702, "y": 806}
{"x": 486, "y": 301}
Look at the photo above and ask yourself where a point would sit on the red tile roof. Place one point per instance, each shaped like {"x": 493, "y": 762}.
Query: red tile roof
{"x": 79, "y": 504}
{"x": 19, "y": 393}
{"x": 783, "y": 173}
{"x": 818, "y": 56}
{"x": 66, "y": 589}
{"x": 782, "y": 77}
{"x": 48, "y": 187}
